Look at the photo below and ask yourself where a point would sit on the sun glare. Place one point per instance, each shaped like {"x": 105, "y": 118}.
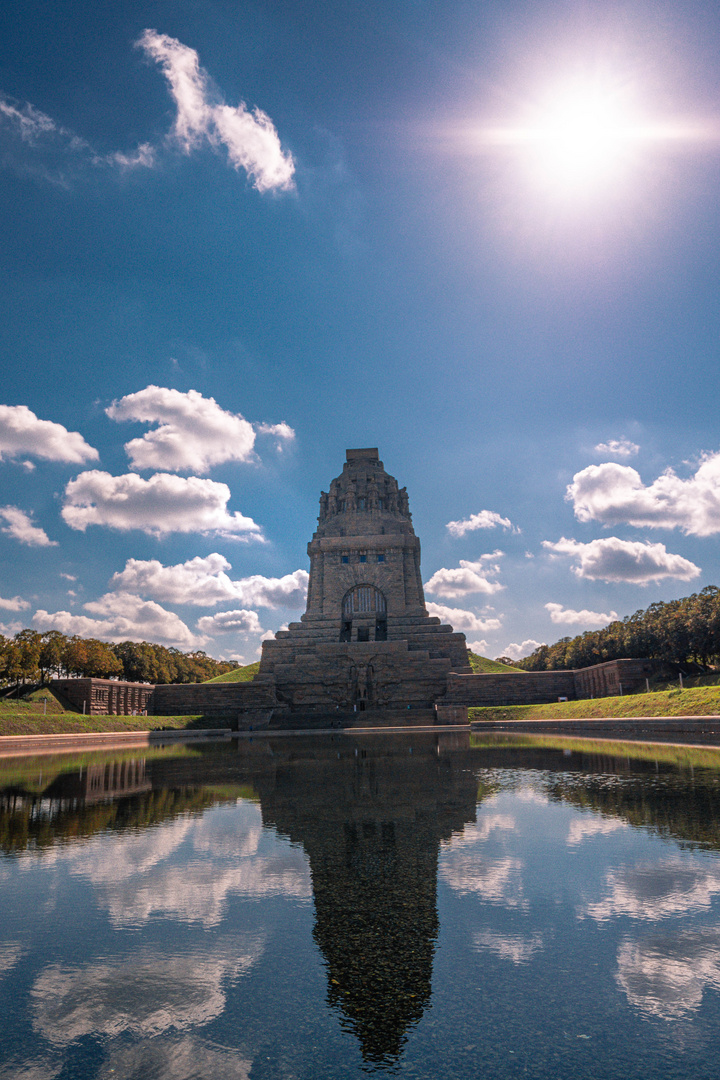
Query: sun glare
{"x": 583, "y": 138}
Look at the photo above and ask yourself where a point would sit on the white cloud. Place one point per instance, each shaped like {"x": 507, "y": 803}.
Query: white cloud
{"x": 10, "y": 953}
{"x": 461, "y": 620}
{"x": 15, "y": 603}
{"x": 478, "y": 647}
{"x": 143, "y": 157}
{"x": 485, "y": 519}
{"x": 495, "y": 880}
{"x": 173, "y": 1058}
{"x": 249, "y": 138}
{"x": 190, "y": 868}
{"x": 21, "y": 432}
{"x": 517, "y": 651}
{"x": 204, "y": 581}
{"x": 230, "y": 622}
{"x": 569, "y": 617}
{"x": 615, "y": 494}
{"x": 162, "y": 504}
{"x": 657, "y": 890}
{"x": 194, "y": 432}
{"x": 123, "y": 618}
{"x": 611, "y": 559}
{"x": 160, "y": 992}
{"x": 471, "y": 577}
{"x": 28, "y": 121}
{"x": 618, "y": 448}
{"x": 515, "y": 947}
{"x": 666, "y": 976}
{"x": 20, "y": 526}
{"x": 478, "y": 832}
{"x": 587, "y": 825}
{"x": 282, "y": 432}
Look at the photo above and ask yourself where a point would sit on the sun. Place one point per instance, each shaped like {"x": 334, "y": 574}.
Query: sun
{"x": 583, "y": 137}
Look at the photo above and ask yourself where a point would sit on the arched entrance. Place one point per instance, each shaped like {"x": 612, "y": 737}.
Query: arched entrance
{"x": 364, "y": 615}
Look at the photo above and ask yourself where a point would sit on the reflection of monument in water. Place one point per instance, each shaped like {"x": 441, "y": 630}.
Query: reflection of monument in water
{"x": 371, "y": 817}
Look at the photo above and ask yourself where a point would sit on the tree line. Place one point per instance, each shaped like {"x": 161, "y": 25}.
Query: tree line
{"x": 31, "y": 657}
{"x": 683, "y": 631}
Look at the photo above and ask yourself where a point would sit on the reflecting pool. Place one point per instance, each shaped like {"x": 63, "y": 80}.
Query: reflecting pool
{"x": 421, "y": 905}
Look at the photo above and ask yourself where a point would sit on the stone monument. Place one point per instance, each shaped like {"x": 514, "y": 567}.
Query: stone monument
{"x": 366, "y": 641}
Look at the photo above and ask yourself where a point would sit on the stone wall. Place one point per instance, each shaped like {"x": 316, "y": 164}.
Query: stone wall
{"x": 544, "y": 687}
{"x": 106, "y": 697}
{"x": 532, "y": 688}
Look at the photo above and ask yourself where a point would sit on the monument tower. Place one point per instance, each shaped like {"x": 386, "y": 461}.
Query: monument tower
{"x": 366, "y": 640}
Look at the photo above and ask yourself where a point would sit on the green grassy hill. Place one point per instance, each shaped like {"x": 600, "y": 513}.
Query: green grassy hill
{"x": 482, "y": 666}
{"x": 240, "y": 674}
{"x": 696, "y": 701}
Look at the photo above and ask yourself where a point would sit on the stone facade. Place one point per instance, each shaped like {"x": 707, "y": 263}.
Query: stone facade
{"x": 106, "y": 697}
{"x": 366, "y": 640}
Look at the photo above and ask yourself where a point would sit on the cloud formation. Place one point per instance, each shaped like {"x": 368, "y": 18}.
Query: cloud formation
{"x": 657, "y": 890}
{"x": 15, "y": 603}
{"x": 517, "y": 651}
{"x": 194, "y": 433}
{"x": 611, "y": 559}
{"x": 517, "y": 948}
{"x": 21, "y": 527}
{"x": 618, "y": 448}
{"x": 122, "y": 617}
{"x": 230, "y": 622}
{"x": 22, "y": 432}
{"x": 466, "y": 621}
{"x": 485, "y": 519}
{"x": 250, "y": 138}
{"x": 161, "y": 992}
{"x": 204, "y": 582}
{"x": 160, "y": 505}
{"x": 470, "y": 577}
{"x": 569, "y": 617}
{"x": 615, "y": 494}
{"x": 497, "y": 881}
{"x": 667, "y": 976}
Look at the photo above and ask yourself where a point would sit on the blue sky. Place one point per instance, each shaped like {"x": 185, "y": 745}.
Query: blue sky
{"x": 237, "y": 239}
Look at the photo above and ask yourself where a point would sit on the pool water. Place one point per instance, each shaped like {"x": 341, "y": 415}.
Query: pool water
{"x": 417, "y": 905}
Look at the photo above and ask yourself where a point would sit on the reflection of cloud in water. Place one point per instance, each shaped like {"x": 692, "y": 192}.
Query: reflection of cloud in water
{"x": 666, "y": 977}
{"x": 229, "y": 834}
{"x": 479, "y": 831}
{"x": 657, "y": 890}
{"x": 109, "y": 858}
{"x": 184, "y": 1058}
{"x": 593, "y": 825}
{"x": 10, "y": 953}
{"x": 516, "y": 947}
{"x": 495, "y": 880}
{"x": 528, "y": 794}
{"x": 198, "y": 891}
{"x": 145, "y": 995}
{"x": 33, "y": 1069}
{"x": 139, "y": 875}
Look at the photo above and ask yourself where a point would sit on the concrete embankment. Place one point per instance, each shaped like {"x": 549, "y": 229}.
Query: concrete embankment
{"x": 11, "y": 745}
{"x": 692, "y": 728}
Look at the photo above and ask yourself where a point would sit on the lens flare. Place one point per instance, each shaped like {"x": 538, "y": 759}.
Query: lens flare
{"x": 585, "y": 137}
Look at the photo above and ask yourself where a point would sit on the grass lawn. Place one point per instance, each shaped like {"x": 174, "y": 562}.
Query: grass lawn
{"x": 241, "y": 674}
{"x": 696, "y": 701}
{"x": 25, "y": 723}
{"x": 482, "y": 666}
